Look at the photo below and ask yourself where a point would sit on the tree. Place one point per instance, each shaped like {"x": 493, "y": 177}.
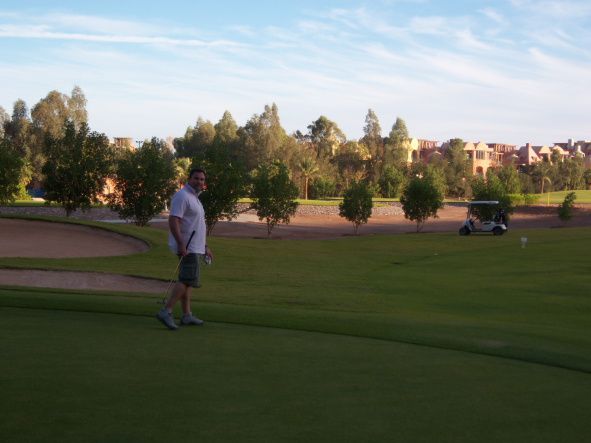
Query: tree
{"x": 4, "y": 119}
{"x": 372, "y": 139}
{"x": 18, "y": 128}
{"x": 572, "y": 172}
{"x": 421, "y": 199}
{"x": 261, "y": 138}
{"x": 509, "y": 177}
{"x": 587, "y": 178}
{"x": 77, "y": 107}
{"x": 325, "y": 137}
{"x": 350, "y": 161}
{"x": 307, "y": 167}
{"x": 541, "y": 173}
{"x": 50, "y": 114}
{"x": 226, "y": 132}
{"x": 76, "y": 168}
{"x": 274, "y": 194}
{"x": 145, "y": 181}
{"x": 357, "y": 204}
{"x": 397, "y": 144}
{"x": 392, "y": 181}
{"x": 490, "y": 189}
{"x": 196, "y": 140}
{"x": 322, "y": 187}
{"x": 226, "y": 183}
{"x": 11, "y": 167}
{"x": 565, "y": 209}
{"x": 458, "y": 169}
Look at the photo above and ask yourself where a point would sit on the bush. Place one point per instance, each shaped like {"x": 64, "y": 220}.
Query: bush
{"x": 322, "y": 187}
{"x": 565, "y": 209}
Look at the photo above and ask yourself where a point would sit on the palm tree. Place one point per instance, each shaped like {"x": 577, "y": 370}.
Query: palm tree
{"x": 308, "y": 168}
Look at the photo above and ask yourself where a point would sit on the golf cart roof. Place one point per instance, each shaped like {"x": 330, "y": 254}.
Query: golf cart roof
{"x": 483, "y": 203}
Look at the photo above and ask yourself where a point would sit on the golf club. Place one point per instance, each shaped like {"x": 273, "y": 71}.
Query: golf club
{"x": 173, "y": 278}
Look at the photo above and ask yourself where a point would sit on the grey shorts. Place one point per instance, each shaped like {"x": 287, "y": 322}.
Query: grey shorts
{"x": 189, "y": 271}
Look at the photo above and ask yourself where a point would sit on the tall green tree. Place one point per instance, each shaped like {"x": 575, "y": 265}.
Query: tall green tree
{"x": 357, "y": 204}
{"x": 421, "y": 199}
{"x": 372, "y": 139}
{"x": 77, "y": 166}
{"x": 145, "y": 181}
{"x": 77, "y": 107}
{"x": 397, "y": 144}
{"x": 261, "y": 138}
{"x": 50, "y": 114}
{"x": 226, "y": 133}
{"x": 458, "y": 168}
{"x": 196, "y": 140}
{"x": 273, "y": 194}
{"x": 18, "y": 129}
{"x": 325, "y": 137}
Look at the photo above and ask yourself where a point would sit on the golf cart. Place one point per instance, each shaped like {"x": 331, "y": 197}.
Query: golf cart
{"x": 484, "y": 216}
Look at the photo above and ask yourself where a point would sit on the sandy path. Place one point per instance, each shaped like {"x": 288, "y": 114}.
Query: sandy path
{"x": 80, "y": 280}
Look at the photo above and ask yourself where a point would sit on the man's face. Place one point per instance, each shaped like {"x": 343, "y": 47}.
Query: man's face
{"x": 197, "y": 181}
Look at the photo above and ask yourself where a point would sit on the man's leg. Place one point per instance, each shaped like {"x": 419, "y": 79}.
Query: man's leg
{"x": 186, "y": 300}
{"x": 178, "y": 292}
{"x": 165, "y": 314}
{"x": 188, "y": 318}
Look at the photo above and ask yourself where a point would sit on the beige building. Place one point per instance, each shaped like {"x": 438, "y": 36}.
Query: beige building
{"x": 481, "y": 156}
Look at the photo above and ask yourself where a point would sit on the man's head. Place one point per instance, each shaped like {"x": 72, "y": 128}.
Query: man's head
{"x": 197, "y": 179}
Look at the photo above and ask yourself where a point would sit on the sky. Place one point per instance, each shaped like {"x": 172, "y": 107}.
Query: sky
{"x": 505, "y": 71}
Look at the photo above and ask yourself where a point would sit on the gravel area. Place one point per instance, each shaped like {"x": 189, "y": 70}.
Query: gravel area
{"x": 106, "y": 214}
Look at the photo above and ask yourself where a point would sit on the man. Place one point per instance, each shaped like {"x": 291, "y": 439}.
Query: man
{"x": 186, "y": 239}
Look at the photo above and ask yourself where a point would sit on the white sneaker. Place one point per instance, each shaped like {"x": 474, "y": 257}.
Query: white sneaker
{"x": 190, "y": 319}
{"x": 166, "y": 318}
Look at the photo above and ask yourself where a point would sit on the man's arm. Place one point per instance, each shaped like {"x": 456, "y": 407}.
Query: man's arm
{"x": 174, "y": 223}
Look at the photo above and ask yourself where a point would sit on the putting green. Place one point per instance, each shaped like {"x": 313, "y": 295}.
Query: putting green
{"x": 77, "y": 376}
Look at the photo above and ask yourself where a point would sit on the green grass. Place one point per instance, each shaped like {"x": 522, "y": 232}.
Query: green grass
{"x": 583, "y": 197}
{"x": 430, "y": 337}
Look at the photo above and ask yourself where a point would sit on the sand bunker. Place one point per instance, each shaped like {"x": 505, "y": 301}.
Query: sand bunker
{"x": 27, "y": 238}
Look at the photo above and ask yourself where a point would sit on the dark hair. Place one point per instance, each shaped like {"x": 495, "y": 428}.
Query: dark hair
{"x": 194, "y": 170}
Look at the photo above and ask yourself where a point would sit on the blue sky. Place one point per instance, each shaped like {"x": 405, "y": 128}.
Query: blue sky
{"x": 508, "y": 71}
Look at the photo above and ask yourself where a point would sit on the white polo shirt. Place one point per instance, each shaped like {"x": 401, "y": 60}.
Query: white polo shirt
{"x": 186, "y": 206}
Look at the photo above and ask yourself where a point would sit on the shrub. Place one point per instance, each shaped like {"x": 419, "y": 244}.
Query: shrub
{"x": 565, "y": 209}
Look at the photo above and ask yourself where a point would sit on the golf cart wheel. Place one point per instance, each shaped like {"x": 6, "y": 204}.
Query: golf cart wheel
{"x": 498, "y": 231}
{"x": 464, "y": 231}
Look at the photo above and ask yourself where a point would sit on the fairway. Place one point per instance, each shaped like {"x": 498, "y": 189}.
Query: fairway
{"x": 75, "y": 376}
